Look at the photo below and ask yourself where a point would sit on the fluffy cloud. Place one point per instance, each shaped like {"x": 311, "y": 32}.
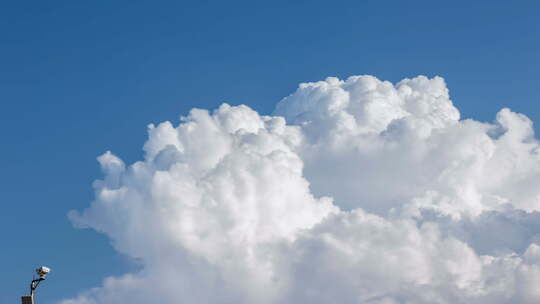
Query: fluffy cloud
{"x": 355, "y": 191}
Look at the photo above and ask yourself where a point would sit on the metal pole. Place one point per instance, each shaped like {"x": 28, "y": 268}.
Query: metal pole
{"x": 42, "y": 272}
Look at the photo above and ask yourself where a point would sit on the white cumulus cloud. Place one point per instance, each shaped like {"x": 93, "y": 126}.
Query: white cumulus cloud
{"x": 354, "y": 191}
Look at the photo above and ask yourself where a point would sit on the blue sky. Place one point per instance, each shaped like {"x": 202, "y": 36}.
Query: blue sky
{"x": 80, "y": 78}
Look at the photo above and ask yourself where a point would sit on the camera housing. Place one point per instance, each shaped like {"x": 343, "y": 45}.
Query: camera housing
{"x": 43, "y": 271}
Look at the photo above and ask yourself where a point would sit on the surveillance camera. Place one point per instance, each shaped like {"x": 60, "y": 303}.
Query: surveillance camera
{"x": 43, "y": 271}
